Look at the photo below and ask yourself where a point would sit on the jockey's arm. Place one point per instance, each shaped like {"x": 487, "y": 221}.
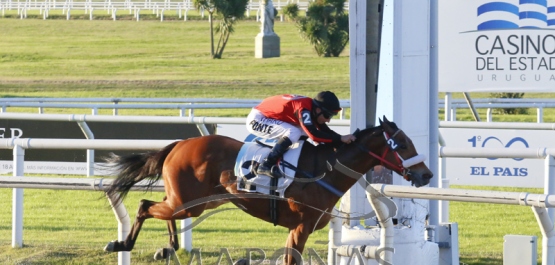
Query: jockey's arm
{"x": 322, "y": 135}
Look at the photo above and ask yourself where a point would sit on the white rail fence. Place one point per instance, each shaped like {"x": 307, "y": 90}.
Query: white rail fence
{"x": 540, "y": 104}
{"x": 82, "y": 120}
{"x": 181, "y": 8}
{"x": 18, "y": 182}
{"x": 186, "y": 106}
{"x": 537, "y": 202}
{"x": 547, "y": 154}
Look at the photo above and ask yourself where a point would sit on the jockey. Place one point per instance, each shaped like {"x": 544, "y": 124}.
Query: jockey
{"x": 287, "y": 118}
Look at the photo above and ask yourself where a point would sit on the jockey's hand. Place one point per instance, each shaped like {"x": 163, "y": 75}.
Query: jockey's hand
{"x": 349, "y": 138}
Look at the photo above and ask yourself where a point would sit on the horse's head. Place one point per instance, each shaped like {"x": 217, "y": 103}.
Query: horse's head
{"x": 396, "y": 152}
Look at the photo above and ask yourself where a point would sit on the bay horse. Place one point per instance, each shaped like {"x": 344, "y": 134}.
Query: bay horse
{"x": 197, "y": 170}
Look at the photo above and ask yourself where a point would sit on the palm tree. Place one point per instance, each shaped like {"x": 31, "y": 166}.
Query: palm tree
{"x": 230, "y": 11}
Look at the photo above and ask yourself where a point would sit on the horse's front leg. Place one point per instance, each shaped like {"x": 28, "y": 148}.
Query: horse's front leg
{"x": 295, "y": 245}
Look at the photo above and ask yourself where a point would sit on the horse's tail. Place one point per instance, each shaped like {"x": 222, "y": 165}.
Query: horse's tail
{"x": 134, "y": 168}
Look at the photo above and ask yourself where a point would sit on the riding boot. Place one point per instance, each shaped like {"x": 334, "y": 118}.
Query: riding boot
{"x": 269, "y": 167}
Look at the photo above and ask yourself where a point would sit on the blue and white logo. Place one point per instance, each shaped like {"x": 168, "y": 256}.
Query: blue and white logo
{"x": 517, "y": 14}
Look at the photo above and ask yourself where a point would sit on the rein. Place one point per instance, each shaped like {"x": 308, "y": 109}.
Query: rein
{"x": 402, "y": 165}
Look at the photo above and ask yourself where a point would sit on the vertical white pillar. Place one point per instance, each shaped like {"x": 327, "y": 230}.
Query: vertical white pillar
{"x": 124, "y": 228}
{"x": 354, "y": 199}
{"x": 548, "y": 234}
{"x": 17, "y": 211}
{"x": 549, "y": 181}
{"x": 447, "y": 107}
{"x": 433, "y": 119}
{"x": 187, "y": 237}
{"x": 539, "y": 113}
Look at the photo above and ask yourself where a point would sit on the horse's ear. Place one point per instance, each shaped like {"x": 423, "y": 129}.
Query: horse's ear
{"x": 380, "y": 120}
{"x": 385, "y": 119}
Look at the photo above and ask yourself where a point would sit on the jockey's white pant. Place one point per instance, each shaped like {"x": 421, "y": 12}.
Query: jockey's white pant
{"x": 268, "y": 128}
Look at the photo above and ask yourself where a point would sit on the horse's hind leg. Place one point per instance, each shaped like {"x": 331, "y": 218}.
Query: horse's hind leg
{"x": 174, "y": 243}
{"x": 147, "y": 209}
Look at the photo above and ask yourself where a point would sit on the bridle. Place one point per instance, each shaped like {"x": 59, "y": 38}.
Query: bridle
{"x": 401, "y": 167}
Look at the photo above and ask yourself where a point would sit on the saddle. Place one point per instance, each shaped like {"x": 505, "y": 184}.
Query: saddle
{"x": 248, "y": 159}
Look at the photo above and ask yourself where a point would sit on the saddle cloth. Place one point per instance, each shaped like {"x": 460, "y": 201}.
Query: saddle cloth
{"x": 252, "y": 153}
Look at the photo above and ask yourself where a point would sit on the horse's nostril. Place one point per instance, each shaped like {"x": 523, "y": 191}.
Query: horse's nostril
{"x": 428, "y": 176}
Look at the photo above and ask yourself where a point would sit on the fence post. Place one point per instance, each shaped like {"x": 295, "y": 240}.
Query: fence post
{"x": 17, "y": 212}
{"x": 549, "y": 182}
{"x": 447, "y": 107}
{"x": 124, "y": 227}
{"x": 187, "y": 237}
{"x": 548, "y": 234}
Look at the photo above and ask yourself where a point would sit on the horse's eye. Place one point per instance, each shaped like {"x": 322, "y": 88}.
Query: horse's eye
{"x": 403, "y": 146}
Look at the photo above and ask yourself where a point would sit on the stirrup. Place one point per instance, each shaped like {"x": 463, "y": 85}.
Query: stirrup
{"x": 276, "y": 172}
{"x": 273, "y": 172}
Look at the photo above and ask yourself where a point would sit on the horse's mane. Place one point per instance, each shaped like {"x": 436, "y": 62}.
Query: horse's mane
{"x": 373, "y": 129}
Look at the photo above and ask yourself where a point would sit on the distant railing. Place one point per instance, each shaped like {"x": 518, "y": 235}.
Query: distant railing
{"x": 182, "y": 104}
{"x": 498, "y": 103}
{"x": 133, "y": 7}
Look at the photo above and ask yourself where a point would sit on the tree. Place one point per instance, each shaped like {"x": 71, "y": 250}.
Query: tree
{"x": 229, "y": 11}
{"x": 325, "y": 27}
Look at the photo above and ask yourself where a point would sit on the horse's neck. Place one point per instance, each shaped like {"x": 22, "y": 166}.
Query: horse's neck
{"x": 352, "y": 162}
{"x": 348, "y": 167}
{"x": 314, "y": 160}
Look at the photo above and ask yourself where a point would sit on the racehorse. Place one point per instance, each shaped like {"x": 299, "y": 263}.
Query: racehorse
{"x": 199, "y": 172}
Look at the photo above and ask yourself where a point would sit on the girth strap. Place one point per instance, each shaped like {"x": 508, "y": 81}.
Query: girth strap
{"x": 273, "y": 201}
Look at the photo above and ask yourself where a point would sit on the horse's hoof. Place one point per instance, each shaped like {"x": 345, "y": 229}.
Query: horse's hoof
{"x": 110, "y": 246}
{"x": 241, "y": 262}
{"x": 160, "y": 254}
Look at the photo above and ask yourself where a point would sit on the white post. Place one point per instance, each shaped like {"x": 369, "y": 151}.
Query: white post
{"x": 354, "y": 199}
{"x": 548, "y": 235}
{"x": 17, "y": 212}
{"x": 433, "y": 118}
{"x": 539, "y": 114}
{"x": 444, "y": 205}
{"x": 549, "y": 182}
{"x": 124, "y": 227}
{"x": 187, "y": 238}
{"x": 488, "y": 115}
{"x": 447, "y": 107}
